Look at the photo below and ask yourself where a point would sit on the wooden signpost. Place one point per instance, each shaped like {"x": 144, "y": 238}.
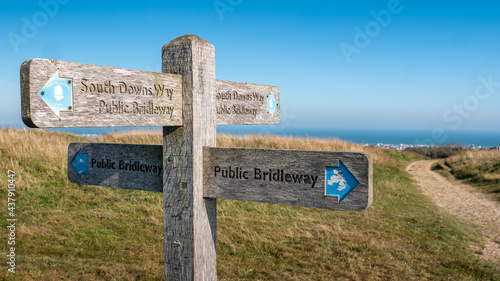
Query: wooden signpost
{"x": 193, "y": 171}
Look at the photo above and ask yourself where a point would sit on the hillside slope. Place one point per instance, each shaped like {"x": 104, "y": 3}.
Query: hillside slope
{"x": 463, "y": 201}
{"x": 480, "y": 168}
{"x": 75, "y": 232}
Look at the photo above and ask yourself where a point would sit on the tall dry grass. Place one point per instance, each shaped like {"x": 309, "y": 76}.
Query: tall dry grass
{"x": 300, "y": 143}
{"x": 480, "y": 168}
{"x": 254, "y": 141}
{"x": 475, "y": 157}
{"x": 133, "y": 137}
{"x": 18, "y": 146}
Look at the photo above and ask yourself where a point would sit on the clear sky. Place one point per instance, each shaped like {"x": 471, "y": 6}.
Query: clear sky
{"x": 339, "y": 64}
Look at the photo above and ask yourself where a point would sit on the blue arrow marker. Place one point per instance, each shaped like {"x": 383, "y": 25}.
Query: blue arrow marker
{"x": 57, "y": 93}
{"x": 81, "y": 163}
{"x": 272, "y": 104}
{"x": 339, "y": 181}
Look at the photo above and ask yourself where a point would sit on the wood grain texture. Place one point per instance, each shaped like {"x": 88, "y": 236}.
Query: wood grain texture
{"x": 190, "y": 219}
{"x": 295, "y": 162}
{"x": 128, "y": 166}
{"x": 240, "y": 103}
{"x": 98, "y": 94}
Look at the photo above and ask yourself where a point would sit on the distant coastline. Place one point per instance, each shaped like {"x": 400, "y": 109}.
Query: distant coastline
{"x": 393, "y": 137}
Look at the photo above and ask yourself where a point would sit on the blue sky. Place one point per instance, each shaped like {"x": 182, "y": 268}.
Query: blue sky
{"x": 338, "y": 64}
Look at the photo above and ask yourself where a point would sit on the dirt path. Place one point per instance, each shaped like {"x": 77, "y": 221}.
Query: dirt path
{"x": 463, "y": 201}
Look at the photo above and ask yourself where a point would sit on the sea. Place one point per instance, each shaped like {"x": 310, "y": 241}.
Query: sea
{"x": 368, "y": 136}
{"x": 477, "y": 138}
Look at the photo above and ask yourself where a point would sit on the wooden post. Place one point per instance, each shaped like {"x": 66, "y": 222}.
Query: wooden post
{"x": 189, "y": 219}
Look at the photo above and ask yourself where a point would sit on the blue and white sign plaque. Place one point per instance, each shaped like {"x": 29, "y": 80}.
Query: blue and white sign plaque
{"x": 272, "y": 104}
{"x": 339, "y": 181}
{"x": 57, "y": 93}
{"x": 81, "y": 163}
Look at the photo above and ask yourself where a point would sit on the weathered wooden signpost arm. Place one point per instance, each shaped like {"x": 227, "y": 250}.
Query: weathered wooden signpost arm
{"x": 189, "y": 219}
{"x": 131, "y": 166}
{"x": 319, "y": 179}
{"x": 241, "y": 103}
{"x": 61, "y": 94}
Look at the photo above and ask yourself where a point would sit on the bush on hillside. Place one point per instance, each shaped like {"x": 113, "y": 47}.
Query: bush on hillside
{"x": 435, "y": 152}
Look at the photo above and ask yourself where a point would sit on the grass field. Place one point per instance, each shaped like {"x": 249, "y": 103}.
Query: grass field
{"x": 67, "y": 231}
{"x": 479, "y": 168}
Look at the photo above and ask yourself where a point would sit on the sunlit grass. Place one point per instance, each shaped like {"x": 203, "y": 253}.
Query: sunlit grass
{"x": 67, "y": 231}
